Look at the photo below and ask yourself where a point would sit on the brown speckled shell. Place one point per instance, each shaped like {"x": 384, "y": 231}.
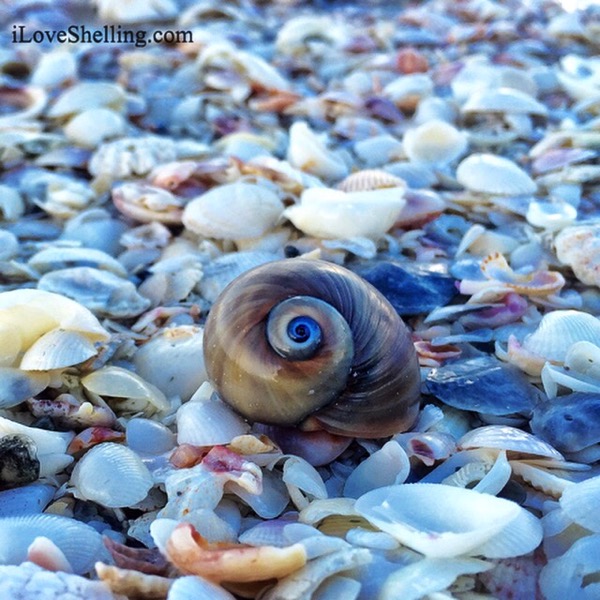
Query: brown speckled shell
{"x": 373, "y": 393}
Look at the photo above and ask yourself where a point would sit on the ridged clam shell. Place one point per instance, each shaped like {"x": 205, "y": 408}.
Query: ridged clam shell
{"x": 80, "y": 543}
{"x": 504, "y": 100}
{"x": 443, "y": 521}
{"x": 111, "y": 475}
{"x": 370, "y": 179}
{"x": 57, "y": 349}
{"x": 328, "y": 213}
{"x": 257, "y": 209}
{"x": 507, "y": 438}
{"x": 491, "y": 174}
{"x": 559, "y": 330}
{"x": 435, "y": 143}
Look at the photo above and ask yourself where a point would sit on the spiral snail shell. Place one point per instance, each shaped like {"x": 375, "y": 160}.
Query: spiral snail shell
{"x": 308, "y": 343}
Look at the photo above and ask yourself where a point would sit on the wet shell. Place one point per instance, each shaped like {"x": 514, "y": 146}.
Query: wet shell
{"x": 100, "y": 476}
{"x": 490, "y": 174}
{"x": 444, "y": 521}
{"x": 80, "y": 543}
{"x": 282, "y": 339}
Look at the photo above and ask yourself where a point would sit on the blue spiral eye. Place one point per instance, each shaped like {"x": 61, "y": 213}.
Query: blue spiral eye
{"x": 294, "y": 336}
{"x": 304, "y": 330}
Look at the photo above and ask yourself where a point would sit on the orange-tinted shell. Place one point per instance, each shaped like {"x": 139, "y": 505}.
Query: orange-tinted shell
{"x": 362, "y": 381}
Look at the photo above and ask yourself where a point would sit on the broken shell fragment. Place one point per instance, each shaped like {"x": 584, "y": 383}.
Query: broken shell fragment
{"x": 191, "y": 553}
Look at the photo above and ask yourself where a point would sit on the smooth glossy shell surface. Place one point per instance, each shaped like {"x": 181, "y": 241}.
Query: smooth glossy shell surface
{"x": 361, "y": 380}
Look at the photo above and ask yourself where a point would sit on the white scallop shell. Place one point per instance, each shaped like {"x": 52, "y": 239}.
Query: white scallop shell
{"x": 80, "y": 543}
{"x": 507, "y": 438}
{"x": 491, "y": 174}
{"x": 172, "y": 360}
{"x": 444, "y": 521}
{"x": 111, "y": 475}
{"x": 117, "y": 382}
{"x": 328, "y": 213}
{"x": 435, "y": 142}
{"x": 307, "y": 151}
{"x": 205, "y": 420}
{"x": 559, "y": 330}
{"x": 57, "y": 349}
{"x": 256, "y": 208}
{"x": 504, "y": 100}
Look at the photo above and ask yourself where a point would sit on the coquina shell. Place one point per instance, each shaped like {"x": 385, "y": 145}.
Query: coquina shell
{"x": 359, "y": 379}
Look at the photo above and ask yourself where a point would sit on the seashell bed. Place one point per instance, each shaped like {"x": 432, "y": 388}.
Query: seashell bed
{"x": 301, "y": 302}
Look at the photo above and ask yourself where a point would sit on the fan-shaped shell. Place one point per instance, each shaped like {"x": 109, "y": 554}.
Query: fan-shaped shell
{"x": 111, "y": 475}
{"x": 490, "y": 174}
{"x": 363, "y": 378}
{"x": 80, "y": 543}
{"x": 559, "y": 330}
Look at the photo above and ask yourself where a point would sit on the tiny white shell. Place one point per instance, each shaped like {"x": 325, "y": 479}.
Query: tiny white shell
{"x": 92, "y": 127}
{"x": 206, "y": 421}
{"x": 172, "y": 360}
{"x": 256, "y": 208}
{"x": 87, "y": 95}
{"x": 435, "y": 142}
{"x": 328, "y": 213}
{"x": 491, "y": 174}
{"x": 387, "y": 466}
{"x": 444, "y": 521}
{"x": 80, "y": 543}
{"x": 306, "y": 151}
{"x": 111, "y": 475}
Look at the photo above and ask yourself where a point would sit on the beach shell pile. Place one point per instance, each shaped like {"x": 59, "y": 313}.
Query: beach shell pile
{"x": 446, "y": 152}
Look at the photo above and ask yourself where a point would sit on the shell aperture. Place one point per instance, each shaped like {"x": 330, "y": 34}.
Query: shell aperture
{"x": 308, "y": 343}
